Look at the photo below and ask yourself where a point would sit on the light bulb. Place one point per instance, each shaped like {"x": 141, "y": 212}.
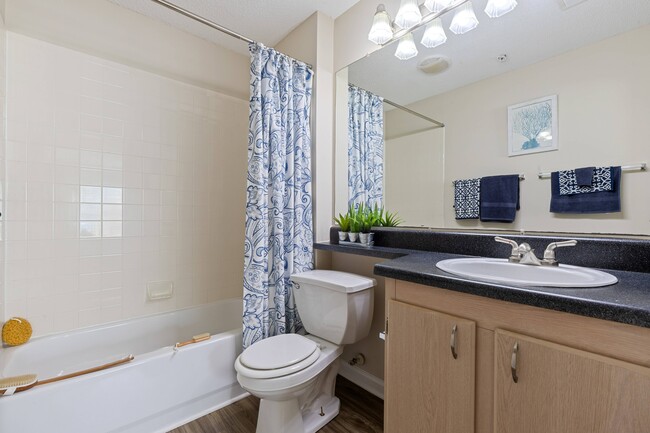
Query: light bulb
{"x": 497, "y": 8}
{"x": 464, "y": 19}
{"x": 434, "y": 34}
{"x": 406, "y": 48}
{"x": 436, "y": 6}
{"x": 381, "y": 30}
{"x": 408, "y": 14}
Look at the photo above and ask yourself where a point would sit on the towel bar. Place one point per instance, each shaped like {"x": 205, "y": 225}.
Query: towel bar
{"x": 634, "y": 167}
{"x": 521, "y": 177}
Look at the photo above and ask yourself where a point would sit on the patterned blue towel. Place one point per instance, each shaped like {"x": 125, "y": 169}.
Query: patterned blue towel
{"x": 467, "y": 193}
{"x": 601, "y": 181}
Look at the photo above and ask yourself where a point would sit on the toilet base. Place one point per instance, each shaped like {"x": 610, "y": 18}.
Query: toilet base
{"x": 286, "y": 417}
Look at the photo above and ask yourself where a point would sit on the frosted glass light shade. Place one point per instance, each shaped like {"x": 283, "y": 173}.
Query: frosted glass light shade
{"x": 406, "y": 48}
{"x": 408, "y": 14}
{"x": 381, "y": 30}
{"x": 497, "y": 8}
{"x": 434, "y": 34}
{"x": 464, "y": 19}
{"x": 436, "y": 6}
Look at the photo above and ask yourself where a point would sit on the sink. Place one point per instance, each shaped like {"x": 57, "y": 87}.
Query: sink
{"x": 501, "y": 271}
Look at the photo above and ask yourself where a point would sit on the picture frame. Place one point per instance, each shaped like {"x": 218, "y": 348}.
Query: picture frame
{"x": 533, "y": 126}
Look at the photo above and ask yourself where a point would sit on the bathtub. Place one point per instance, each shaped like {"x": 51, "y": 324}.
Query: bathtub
{"x": 159, "y": 390}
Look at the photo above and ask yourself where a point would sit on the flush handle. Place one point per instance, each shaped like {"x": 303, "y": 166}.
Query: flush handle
{"x": 452, "y": 342}
{"x": 513, "y": 363}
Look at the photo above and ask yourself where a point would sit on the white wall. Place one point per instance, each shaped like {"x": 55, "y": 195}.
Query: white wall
{"x": 603, "y": 93}
{"x": 117, "y": 177}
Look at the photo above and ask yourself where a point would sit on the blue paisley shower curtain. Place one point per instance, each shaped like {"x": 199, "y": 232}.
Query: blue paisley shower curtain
{"x": 279, "y": 231}
{"x": 365, "y": 148}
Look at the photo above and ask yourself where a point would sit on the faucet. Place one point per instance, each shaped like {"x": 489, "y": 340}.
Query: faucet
{"x": 549, "y": 252}
{"x": 525, "y": 255}
{"x": 515, "y": 255}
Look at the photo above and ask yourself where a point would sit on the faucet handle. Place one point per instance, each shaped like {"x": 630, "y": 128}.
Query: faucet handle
{"x": 549, "y": 252}
{"x": 515, "y": 255}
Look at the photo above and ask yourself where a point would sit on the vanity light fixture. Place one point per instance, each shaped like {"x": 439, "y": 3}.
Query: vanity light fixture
{"x": 464, "y": 20}
{"x": 381, "y": 30}
{"x": 436, "y": 6}
{"x": 497, "y": 8}
{"x": 434, "y": 34}
{"x": 408, "y": 14}
{"x": 406, "y": 48}
{"x": 410, "y": 18}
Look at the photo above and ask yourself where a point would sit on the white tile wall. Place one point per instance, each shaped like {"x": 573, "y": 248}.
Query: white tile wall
{"x": 116, "y": 177}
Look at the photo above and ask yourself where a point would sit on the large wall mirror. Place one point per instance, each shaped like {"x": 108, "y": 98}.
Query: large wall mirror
{"x": 447, "y": 112}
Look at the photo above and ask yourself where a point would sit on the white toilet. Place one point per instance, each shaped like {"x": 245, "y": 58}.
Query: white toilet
{"x": 294, "y": 375}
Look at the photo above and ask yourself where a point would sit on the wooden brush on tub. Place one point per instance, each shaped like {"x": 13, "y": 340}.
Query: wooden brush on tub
{"x": 195, "y": 339}
{"x": 11, "y": 385}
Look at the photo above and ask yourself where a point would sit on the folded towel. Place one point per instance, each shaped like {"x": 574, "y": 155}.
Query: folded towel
{"x": 596, "y": 202}
{"x": 466, "y": 198}
{"x": 601, "y": 180}
{"x": 584, "y": 176}
{"x": 499, "y": 198}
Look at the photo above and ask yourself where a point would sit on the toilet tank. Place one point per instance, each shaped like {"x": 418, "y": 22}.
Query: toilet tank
{"x": 336, "y": 306}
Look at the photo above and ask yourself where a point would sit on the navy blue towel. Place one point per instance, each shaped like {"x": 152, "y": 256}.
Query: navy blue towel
{"x": 500, "y": 198}
{"x": 584, "y": 176}
{"x": 596, "y": 202}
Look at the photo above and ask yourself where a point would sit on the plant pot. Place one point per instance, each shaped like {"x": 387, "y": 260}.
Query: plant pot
{"x": 367, "y": 238}
{"x": 353, "y": 236}
{"x": 343, "y": 236}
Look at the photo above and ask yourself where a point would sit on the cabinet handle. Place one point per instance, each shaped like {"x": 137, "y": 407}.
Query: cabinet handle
{"x": 452, "y": 343}
{"x": 513, "y": 363}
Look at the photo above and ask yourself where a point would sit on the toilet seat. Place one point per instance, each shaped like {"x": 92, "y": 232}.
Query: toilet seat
{"x": 277, "y": 356}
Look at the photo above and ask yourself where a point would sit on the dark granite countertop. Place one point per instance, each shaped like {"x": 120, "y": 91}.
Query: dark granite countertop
{"x": 627, "y": 301}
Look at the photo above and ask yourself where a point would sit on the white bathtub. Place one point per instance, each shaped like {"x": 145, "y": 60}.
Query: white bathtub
{"x": 157, "y": 391}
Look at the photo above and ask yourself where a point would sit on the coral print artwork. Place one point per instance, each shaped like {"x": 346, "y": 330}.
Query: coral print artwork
{"x": 532, "y": 126}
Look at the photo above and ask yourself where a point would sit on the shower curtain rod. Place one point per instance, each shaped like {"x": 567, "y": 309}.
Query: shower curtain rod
{"x": 209, "y": 23}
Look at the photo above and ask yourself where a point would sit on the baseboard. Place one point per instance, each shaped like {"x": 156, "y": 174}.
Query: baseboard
{"x": 363, "y": 379}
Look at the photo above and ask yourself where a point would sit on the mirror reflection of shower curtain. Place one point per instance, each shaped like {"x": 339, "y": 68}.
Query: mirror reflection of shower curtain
{"x": 365, "y": 148}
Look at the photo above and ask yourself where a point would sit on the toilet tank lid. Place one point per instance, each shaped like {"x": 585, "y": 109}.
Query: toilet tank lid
{"x": 335, "y": 280}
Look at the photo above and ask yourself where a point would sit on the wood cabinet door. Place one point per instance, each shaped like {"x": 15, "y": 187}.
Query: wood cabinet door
{"x": 564, "y": 390}
{"x": 428, "y": 390}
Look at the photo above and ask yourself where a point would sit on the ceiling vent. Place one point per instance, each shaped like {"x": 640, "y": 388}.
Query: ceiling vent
{"x": 434, "y": 65}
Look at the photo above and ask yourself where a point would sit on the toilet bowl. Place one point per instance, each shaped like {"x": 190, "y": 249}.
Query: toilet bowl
{"x": 294, "y": 375}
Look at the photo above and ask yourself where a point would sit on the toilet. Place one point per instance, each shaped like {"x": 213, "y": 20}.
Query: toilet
{"x": 294, "y": 375}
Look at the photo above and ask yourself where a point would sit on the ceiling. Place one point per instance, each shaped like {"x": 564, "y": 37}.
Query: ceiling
{"x": 535, "y": 30}
{"x": 266, "y": 21}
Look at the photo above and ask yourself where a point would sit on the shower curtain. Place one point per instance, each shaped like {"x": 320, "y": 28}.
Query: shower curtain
{"x": 279, "y": 233}
{"x": 365, "y": 148}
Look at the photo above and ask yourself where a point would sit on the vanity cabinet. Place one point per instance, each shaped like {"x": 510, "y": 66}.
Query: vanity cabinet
{"x": 430, "y": 371}
{"x": 574, "y": 374}
{"x": 542, "y": 387}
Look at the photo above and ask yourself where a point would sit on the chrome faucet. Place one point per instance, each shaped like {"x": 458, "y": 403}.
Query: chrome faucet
{"x": 515, "y": 255}
{"x": 549, "y": 252}
{"x": 525, "y": 255}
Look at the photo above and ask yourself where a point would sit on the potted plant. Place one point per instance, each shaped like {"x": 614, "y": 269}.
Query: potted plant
{"x": 371, "y": 218}
{"x": 343, "y": 221}
{"x": 390, "y": 219}
{"x": 355, "y": 226}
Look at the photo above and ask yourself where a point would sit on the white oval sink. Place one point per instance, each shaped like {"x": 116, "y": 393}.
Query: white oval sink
{"x": 503, "y": 272}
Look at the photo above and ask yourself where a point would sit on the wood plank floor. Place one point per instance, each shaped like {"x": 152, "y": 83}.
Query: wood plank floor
{"x": 361, "y": 412}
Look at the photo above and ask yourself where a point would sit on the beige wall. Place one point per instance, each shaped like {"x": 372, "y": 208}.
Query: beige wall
{"x": 3, "y": 123}
{"x": 413, "y": 177}
{"x": 603, "y": 93}
{"x": 104, "y": 29}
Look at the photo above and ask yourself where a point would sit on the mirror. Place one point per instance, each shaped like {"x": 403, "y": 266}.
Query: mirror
{"x": 591, "y": 55}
